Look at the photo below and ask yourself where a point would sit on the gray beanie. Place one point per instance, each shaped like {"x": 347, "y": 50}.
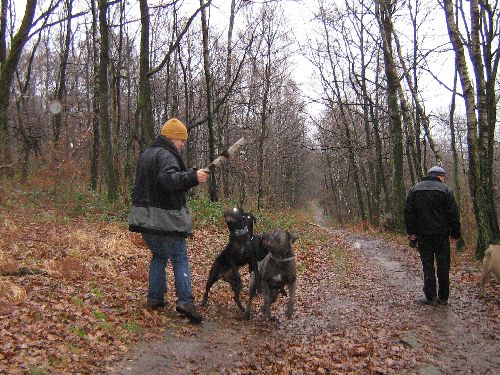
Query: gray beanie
{"x": 436, "y": 171}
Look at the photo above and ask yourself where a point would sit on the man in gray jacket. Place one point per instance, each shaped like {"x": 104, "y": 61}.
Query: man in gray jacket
{"x": 160, "y": 213}
{"x": 431, "y": 217}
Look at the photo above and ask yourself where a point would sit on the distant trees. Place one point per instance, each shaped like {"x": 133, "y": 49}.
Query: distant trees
{"x": 115, "y": 71}
{"x": 371, "y": 74}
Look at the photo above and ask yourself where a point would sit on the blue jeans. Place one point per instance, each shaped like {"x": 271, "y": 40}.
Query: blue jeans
{"x": 164, "y": 248}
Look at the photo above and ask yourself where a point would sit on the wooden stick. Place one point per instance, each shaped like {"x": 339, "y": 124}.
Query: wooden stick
{"x": 225, "y": 155}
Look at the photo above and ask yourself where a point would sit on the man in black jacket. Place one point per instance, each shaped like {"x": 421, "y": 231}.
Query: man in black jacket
{"x": 160, "y": 213}
{"x": 431, "y": 216}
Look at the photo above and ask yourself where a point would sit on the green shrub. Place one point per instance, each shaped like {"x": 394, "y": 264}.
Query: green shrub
{"x": 205, "y": 211}
{"x": 266, "y": 223}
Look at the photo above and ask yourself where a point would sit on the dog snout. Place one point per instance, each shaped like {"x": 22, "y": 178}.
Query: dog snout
{"x": 233, "y": 215}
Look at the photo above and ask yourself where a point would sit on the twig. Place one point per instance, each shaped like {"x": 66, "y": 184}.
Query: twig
{"x": 24, "y": 271}
{"x": 5, "y": 166}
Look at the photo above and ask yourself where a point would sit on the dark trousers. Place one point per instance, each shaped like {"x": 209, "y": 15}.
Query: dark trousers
{"x": 435, "y": 249}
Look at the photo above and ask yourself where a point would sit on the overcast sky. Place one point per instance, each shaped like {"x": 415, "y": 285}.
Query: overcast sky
{"x": 299, "y": 15}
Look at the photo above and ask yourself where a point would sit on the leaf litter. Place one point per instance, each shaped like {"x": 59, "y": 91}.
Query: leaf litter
{"x": 355, "y": 310}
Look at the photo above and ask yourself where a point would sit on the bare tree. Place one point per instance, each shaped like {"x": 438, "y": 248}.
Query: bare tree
{"x": 96, "y": 139}
{"x": 8, "y": 64}
{"x": 60, "y": 91}
{"x": 144, "y": 114}
{"x": 384, "y": 12}
{"x": 480, "y": 118}
{"x": 104, "y": 120}
{"x": 212, "y": 184}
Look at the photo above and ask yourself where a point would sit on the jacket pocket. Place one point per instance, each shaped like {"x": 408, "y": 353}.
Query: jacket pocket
{"x": 139, "y": 217}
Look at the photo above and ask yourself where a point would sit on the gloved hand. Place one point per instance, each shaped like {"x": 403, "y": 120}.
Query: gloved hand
{"x": 412, "y": 240}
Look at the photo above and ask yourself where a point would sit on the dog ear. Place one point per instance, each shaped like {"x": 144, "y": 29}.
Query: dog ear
{"x": 267, "y": 240}
{"x": 292, "y": 236}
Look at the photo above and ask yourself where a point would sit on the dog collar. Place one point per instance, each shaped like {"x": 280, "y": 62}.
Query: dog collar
{"x": 282, "y": 259}
{"x": 241, "y": 232}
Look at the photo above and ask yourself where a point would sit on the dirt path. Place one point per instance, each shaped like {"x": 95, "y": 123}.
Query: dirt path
{"x": 364, "y": 320}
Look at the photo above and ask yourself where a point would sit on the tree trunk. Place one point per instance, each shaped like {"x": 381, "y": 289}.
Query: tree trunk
{"x": 263, "y": 128}
{"x": 384, "y": 14}
{"x": 61, "y": 86}
{"x": 144, "y": 105}
{"x": 3, "y": 31}
{"x": 224, "y": 124}
{"x": 478, "y": 193}
{"x": 7, "y": 70}
{"x": 418, "y": 106}
{"x": 30, "y": 142}
{"x": 350, "y": 148}
{"x": 104, "y": 120}
{"x": 407, "y": 127}
{"x": 96, "y": 139}
{"x": 454, "y": 152}
{"x": 373, "y": 200}
{"x": 491, "y": 53}
{"x": 117, "y": 78}
{"x": 334, "y": 190}
{"x": 212, "y": 184}
{"x": 380, "y": 181}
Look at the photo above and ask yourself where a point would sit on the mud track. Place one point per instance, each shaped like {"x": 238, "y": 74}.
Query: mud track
{"x": 370, "y": 309}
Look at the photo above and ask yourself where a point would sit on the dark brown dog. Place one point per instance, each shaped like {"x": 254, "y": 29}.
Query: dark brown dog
{"x": 277, "y": 270}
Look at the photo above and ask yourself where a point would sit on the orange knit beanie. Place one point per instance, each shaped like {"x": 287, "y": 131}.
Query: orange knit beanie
{"x": 174, "y": 129}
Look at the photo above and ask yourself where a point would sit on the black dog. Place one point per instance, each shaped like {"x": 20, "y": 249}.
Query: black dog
{"x": 243, "y": 248}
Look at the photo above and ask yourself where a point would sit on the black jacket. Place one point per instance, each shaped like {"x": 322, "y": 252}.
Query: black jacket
{"x": 431, "y": 210}
{"x": 158, "y": 199}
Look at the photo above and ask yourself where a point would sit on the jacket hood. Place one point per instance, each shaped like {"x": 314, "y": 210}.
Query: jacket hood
{"x": 167, "y": 144}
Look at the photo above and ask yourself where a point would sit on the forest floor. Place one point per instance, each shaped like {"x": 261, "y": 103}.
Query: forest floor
{"x": 364, "y": 320}
{"x": 82, "y": 309}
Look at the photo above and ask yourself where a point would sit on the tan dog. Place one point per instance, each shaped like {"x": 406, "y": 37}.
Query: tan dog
{"x": 491, "y": 264}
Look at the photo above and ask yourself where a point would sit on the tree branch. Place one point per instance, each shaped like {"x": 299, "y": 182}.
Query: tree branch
{"x": 174, "y": 46}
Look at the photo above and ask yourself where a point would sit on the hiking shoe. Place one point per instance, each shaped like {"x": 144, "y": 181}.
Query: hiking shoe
{"x": 425, "y": 301}
{"x": 154, "y": 304}
{"x": 442, "y": 301}
{"x": 189, "y": 311}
